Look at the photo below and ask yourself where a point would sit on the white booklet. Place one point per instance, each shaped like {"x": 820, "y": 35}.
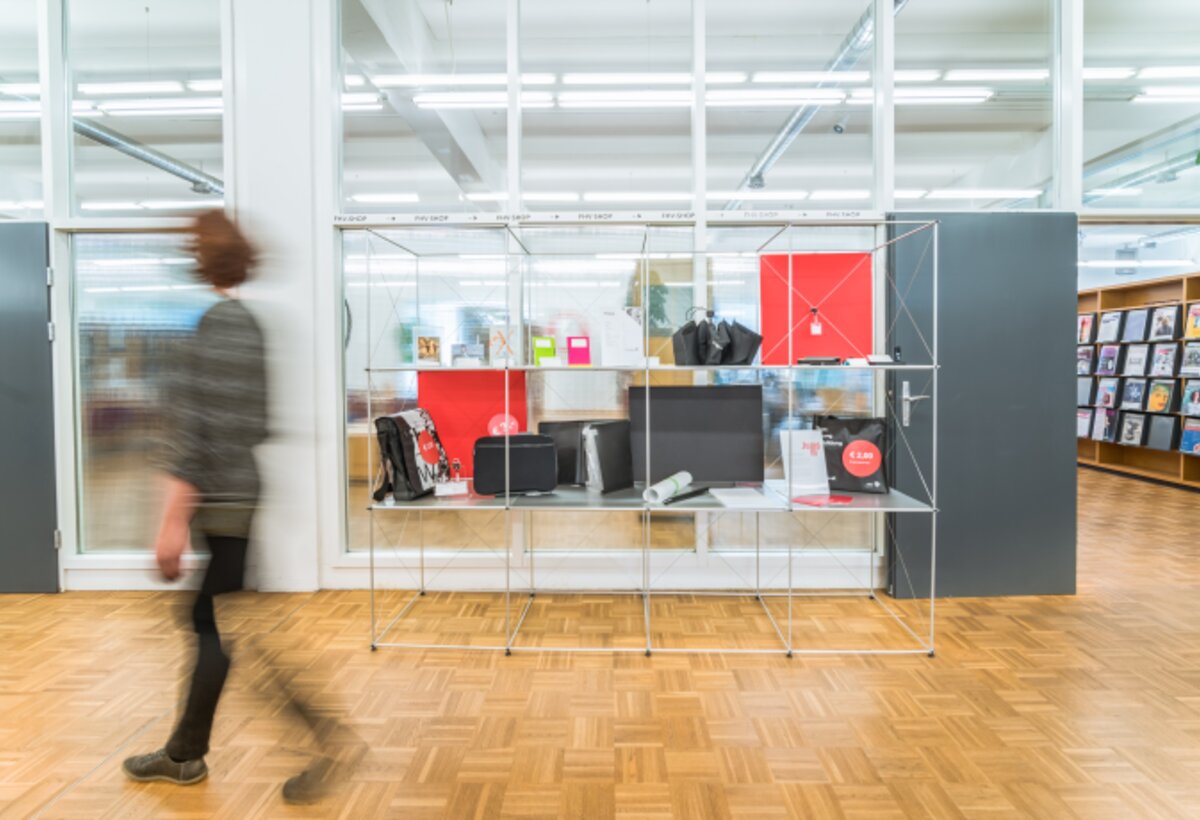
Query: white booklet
{"x": 743, "y": 497}
{"x": 804, "y": 470}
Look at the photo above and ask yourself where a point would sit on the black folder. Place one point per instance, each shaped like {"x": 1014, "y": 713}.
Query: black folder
{"x": 568, "y": 442}
{"x": 614, "y": 452}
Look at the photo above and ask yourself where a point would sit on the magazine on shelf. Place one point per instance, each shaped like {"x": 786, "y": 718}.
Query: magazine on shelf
{"x": 1160, "y": 398}
{"x": 1191, "y": 329}
{"x": 1133, "y": 429}
{"x": 1107, "y": 392}
{"x": 1110, "y": 326}
{"x": 1136, "y": 359}
{"x": 1189, "y": 442}
{"x": 1136, "y": 322}
{"x": 1133, "y": 397}
{"x": 1104, "y": 425}
{"x": 1164, "y": 323}
{"x": 1191, "y": 398}
{"x": 1085, "y": 391}
{"x": 1163, "y": 431}
{"x": 1084, "y": 354}
{"x": 1109, "y": 361}
{"x": 1165, "y": 360}
{"x": 1083, "y": 422}
{"x": 1190, "y": 366}
{"x": 1085, "y": 332}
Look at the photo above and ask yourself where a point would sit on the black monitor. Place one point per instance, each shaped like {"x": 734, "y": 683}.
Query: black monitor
{"x": 713, "y": 432}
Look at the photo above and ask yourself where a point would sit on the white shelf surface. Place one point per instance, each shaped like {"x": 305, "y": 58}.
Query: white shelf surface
{"x": 579, "y": 499}
{"x": 654, "y": 369}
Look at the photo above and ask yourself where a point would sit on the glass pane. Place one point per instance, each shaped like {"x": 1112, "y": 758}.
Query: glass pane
{"x": 424, "y": 106}
{"x": 974, "y": 105}
{"x": 789, "y": 104}
{"x": 606, "y": 104}
{"x": 20, "y": 128}
{"x": 135, "y": 303}
{"x": 1117, "y": 254}
{"x": 1141, "y": 100}
{"x": 145, "y": 79}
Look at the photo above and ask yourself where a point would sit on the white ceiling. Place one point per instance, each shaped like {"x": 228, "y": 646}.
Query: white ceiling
{"x": 1003, "y": 142}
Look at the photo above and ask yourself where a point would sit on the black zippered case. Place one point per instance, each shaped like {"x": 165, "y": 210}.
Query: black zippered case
{"x": 532, "y": 462}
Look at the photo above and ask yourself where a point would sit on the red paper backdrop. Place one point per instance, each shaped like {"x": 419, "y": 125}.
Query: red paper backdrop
{"x": 837, "y": 284}
{"x": 462, "y": 403}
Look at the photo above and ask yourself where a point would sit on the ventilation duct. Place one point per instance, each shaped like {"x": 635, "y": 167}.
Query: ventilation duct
{"x": 201, "y": 182}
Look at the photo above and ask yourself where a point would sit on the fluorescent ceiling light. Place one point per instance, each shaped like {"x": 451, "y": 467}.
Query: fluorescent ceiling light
{"x": 1115, "y": 192}
{"x": 385, "y": 199}
{"x": 759, "y": 195}
{"x": 1106, "y": 73}
{"x": 910, "y": 193}
{"x": 927, "y": 95}
{"x": 149, "y": 87}
{"x": 550, "y": 196}
{"x": 812, "y": 76}
{"x": 488, "y": 196}
{"x": 142, "y": 261}
{"x": 984, "y": 193}
{"x": 1160, "y": 95}
{"x": 354, "y": 80}
{"x": 165, "y": 112}
{"x": 634, "y": 98}
{"x": 21, "y": 89}
{"x": 852, "y": 194}
{"x": 1170, "y": 72}
{"x": 359, "y": 97}
{"x": 31, "y": 106}
{"x": 419, "y": 80}
{"x": 996, "y": 75}
{"x": 1137, "y": 263}
{"x": 773, "y": 97}
{"x": 917, "y": 75}
{"x": 162, "y": 103}
{"x": 110, "y": 206}
{"x": 23, "y": 205}
{"x": 180, "y": 204}
{"x": 363, "y": 107}
{"x": 635, "y": 196}
{"x": 481, "y": 99}
{"x": 206, "y": 86}
{"x": 725, "y": 77}
{"x": 628, "y": 78}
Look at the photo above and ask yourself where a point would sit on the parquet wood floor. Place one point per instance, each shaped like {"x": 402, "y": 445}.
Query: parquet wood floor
{"x": 1084, "y": 706}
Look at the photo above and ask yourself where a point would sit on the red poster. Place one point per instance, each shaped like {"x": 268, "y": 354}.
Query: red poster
{"x": 837, "y": 286}
{"x": 468, "y": 405}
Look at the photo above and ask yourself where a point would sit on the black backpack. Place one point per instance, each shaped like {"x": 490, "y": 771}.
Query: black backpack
{"x": 411, "y": 456}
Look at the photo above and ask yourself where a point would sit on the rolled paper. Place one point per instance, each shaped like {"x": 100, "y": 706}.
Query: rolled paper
{"x": 668, "y": 487}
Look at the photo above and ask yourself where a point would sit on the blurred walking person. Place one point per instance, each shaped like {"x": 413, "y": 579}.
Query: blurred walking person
{"x": 217, "y": 413}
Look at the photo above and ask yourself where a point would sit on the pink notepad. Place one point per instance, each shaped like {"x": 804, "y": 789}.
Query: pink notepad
{"x": 579, "y": 351}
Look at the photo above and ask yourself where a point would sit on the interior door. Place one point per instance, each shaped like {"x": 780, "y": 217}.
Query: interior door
{"x": 28, "y": 510}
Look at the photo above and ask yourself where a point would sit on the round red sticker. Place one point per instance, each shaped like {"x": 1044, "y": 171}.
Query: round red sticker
{"x": 502, "y": 424}
{"x": 861, "y": 458}
{"x": 429, "y": 450}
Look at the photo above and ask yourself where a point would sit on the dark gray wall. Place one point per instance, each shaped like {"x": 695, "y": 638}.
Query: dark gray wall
{"x": 28, "y": 515}
{"x": 1006, "y": 443}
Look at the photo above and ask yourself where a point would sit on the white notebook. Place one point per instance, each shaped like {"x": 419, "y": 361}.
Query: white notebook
{"x": 744, "y": 497}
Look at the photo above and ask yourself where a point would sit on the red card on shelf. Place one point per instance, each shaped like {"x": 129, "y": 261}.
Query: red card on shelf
{"x": 838, "y": 285}
{"x": 469, "y": 405}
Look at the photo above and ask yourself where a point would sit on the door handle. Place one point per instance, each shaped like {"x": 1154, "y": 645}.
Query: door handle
{"x": 907, "y": 400}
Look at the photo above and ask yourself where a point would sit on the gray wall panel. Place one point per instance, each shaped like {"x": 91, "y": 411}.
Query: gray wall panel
{"x": 1006, "y": 444}
{"x": 28, "y": 515}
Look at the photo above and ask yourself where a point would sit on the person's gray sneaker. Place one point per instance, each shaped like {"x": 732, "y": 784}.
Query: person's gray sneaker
{"x": 159, "y": 766}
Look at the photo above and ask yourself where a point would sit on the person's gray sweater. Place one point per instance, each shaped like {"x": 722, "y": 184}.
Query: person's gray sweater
{"x": 216, "y": 412}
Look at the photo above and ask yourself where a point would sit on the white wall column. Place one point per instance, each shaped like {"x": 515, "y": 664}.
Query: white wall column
{"x": 281, "y": 173}
{"x": 1067, "y": 70}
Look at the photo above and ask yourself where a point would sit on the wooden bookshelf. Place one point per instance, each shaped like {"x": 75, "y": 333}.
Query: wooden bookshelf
{"x": 1170, "y": 466}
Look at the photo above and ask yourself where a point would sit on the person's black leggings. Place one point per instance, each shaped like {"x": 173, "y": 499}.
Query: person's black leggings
{"x": 225, "y": 573}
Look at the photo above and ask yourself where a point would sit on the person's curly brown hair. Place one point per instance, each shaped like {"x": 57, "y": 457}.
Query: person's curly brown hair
{"x": 224, "y": 257}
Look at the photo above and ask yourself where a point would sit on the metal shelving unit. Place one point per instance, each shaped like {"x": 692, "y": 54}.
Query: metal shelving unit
{"x": 777, "y": 500}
